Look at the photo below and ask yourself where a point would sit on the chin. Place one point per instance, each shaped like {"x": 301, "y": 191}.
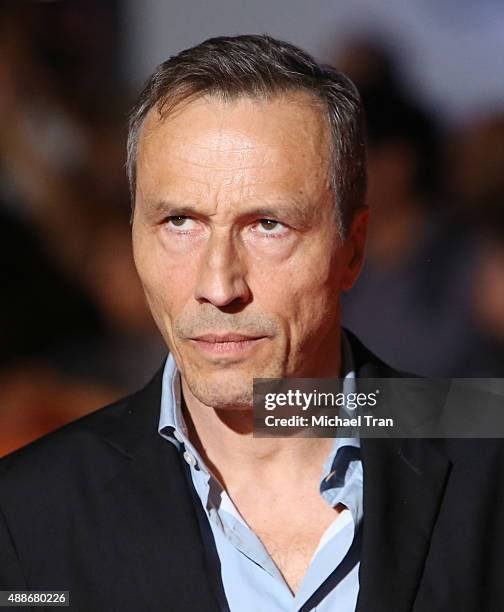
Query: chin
{"x": 224, "y": 396}
{"x": 227, "y": 385}
{"x": 223, "y": 390}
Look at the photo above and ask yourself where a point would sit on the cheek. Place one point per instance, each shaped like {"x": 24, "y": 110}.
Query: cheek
{"x": 303, "y": 295}
{"x": 316, "y": 308}
{"x": 166, "y": 279}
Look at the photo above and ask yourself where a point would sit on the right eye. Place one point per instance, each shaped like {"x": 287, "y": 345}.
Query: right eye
{"x": 180, "y": 221}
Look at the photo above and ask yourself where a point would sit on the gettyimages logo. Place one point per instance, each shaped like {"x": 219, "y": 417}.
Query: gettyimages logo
{"x": 317, "y": 399}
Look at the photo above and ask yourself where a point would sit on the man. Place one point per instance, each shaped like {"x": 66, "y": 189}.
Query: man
{"x": 247, "y": 167}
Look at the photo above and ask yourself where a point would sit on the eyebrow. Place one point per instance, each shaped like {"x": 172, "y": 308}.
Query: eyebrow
{"x": 170, "y": 208}
{"x": 297, "y": 212}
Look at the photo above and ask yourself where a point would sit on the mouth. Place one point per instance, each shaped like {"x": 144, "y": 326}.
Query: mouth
{"x": 226, "y": 344}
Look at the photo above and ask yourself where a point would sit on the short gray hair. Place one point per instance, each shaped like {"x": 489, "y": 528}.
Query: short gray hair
{"x": 259, "y": 66}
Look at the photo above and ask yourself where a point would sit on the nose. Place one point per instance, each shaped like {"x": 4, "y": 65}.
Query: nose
{"x": 221, "y": 275}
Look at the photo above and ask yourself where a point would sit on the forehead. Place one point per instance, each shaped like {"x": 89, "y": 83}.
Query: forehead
{"x": 282, "y": 141}
{"x": 275, "y": 115}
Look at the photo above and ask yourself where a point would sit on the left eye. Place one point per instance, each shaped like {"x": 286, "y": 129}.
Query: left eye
{"x": 271, "y": 227}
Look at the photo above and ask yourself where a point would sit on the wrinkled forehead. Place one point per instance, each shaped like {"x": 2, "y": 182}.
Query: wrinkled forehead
{"x": 286, "y": 138}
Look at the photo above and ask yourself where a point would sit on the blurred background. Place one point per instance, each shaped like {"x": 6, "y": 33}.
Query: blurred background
{"x": 75, "y": 332}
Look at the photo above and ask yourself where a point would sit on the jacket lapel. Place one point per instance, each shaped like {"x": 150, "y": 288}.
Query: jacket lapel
{"x": 152, "y": 516}
{"x": 404, "y": 484}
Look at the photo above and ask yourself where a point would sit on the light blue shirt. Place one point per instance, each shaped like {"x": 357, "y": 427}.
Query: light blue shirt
{"x": 252, "y": 581}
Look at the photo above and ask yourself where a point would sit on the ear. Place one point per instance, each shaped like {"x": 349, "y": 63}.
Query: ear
{"x": 354, "y": 247}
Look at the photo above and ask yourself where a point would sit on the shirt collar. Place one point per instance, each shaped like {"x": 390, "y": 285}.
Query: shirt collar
{"x": 171, "y": 401}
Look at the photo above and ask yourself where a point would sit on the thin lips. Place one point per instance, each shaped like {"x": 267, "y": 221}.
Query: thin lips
{"x": 225, "y": 338}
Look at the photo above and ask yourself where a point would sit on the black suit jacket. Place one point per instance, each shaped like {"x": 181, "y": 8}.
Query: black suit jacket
{"x": 103, "y": 508}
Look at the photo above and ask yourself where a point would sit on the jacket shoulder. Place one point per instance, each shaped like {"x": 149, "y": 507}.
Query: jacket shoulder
{"x": 57, "y": 452}
{"x": 93, "y": 444}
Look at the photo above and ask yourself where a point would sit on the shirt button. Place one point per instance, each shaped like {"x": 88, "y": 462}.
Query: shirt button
{"x": 178, "y": 436}
{"x": 191, "y": 460}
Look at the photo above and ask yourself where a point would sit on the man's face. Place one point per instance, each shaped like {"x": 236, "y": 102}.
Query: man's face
{"x": 237, "y": 246}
